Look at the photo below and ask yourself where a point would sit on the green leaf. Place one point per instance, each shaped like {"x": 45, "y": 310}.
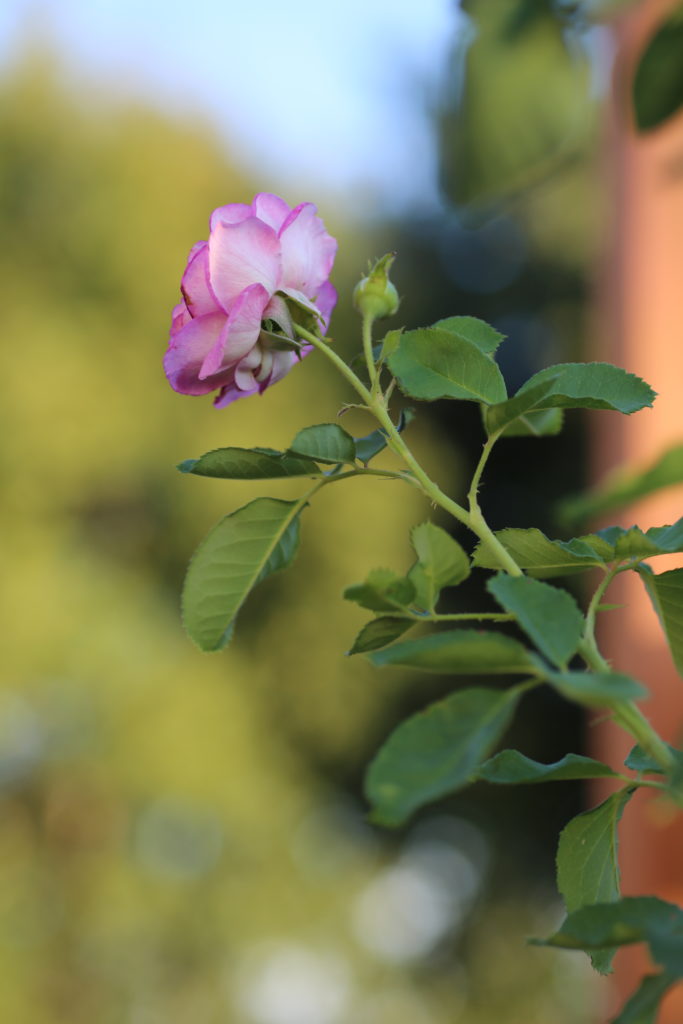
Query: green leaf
{"x": 631, "y": 919}
{"x": 591, "y": 386}
{"x": 389, "y": 344}
{"x": 587, "y": 864}
{"x": 509, "y": 768}
{"x": 248, "y": 464}
{"x": 625, "y": 487}
{"x": 382, "y": 591}
{"x": 434, "y": 363}
{"x": 639, "y": 761}
{"x": 666, "y": 593}
{"x": 658, "y": 81}
{"x": 543, "y": 423}
{"x": 375, "y": 442}
{"x": 240, "y": 551}
{"x": 596, "y": 689}
{"x": 550, "y": 617}
{"x": 326, "y": 442}
{"x": 436, "y": 752}
{"x": 542, "y": 557}
{"x": 481, "y": 334}
{"x": 643, "y": 1006}
{"x": 379, "y": 632}
{"x": 469, "y": 651}
{"x": 441, "y": 562}
{"x": 498, "y": 417}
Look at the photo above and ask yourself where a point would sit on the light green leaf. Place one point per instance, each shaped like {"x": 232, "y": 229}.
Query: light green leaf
{"x": 658, "y": 81}
{"x": 441, "y": 562}
{"x": 639, "y": 761}
{"x": 375, "y": 442}
{"x": 587, "y": 864}
{"x": 550, "y": 617}
{"x": 643, "y": 1006}
{"x": 497, "y": 417}
{"x": 509, "y": 768}
{"x": 389, "y": 344}
{"x": 326, "y": 442}
{"x": 379, "y": 632}
{"x": 249, "y": 464}
{"x": 666, "y": 593}
{"x": 469, "y": 651}
{"x": 382, "y": 591}
{"x": 596, "y": 689}
{"x": 543, "y": 423}
{"x": 240, "y": 551}
{"x": 477, "y": 331}
{"x": 591, "y": 386}
{"x": 625, "y": 487}
{"x": 631, "y": 919}
{"x": 436, "y": 752}
{"x": 541, "y": 557}
{"x": 434, "y": 363}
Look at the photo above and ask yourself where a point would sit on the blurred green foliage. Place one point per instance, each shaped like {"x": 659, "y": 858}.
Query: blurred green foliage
{"x": 180, "y": 838}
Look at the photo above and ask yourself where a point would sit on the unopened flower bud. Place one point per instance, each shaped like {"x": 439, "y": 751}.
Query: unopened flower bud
{"x": 375, "y": 296}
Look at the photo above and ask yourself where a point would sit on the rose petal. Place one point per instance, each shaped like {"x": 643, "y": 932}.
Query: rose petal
{"x": 307, "y": 250}
{"x": 233, "y": 213}
{"x": 230, "y": 393}
{"x": 187, "y": 351}
{"x": 195, "y": 283}
{"x": 240, "y": 255}
{"x": 179, "y": 317}
{"x": 240, "y": 331}
{"x": 246, "y": 369}
{"x": 277, "y": 311}
{"x": 326, "y": 300}
{"x": 271, "y": 209}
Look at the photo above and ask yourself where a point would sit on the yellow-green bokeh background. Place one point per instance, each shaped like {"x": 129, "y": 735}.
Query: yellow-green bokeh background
{"x": 176, "y": 828}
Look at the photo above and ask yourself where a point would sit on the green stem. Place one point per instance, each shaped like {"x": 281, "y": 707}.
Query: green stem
{"x": 477, "y": 522}
{"x": 627, "y": 715}
{"x": 461, "y": 617}
{"x": 369, "y": 358}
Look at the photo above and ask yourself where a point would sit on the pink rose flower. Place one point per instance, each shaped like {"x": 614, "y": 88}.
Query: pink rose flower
{"x": 263, "y": 267}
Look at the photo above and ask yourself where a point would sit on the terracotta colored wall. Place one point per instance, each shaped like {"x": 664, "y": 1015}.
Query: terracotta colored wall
{"x": 642, "y": 329}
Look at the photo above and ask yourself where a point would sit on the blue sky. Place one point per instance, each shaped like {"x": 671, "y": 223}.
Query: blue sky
{"x": 332, "y": 94}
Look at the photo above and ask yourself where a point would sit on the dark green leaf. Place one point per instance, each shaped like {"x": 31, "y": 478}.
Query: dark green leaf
{"x": 511, "y": 768}
{"x": 596, "y": 689}
{"x": 550, "y": 617}
{"x": 436, "y": 752}
{"x": 639, "y": 761}
{"x": 382, "y": 591}
{"x": 468, "y": 651}
{"x": 378, "y": 633}
{"x": 240, "y": 551}
{"x": 542, "y": 557}
{"x": 498, "y": 417}
{"x": 631, "y": 919}
{"x": 372, "y": 444}
{"x": 480, "y": 333}
{"x": 434, "y": 363}
{"x": 658, "y": 82}
{"x": 591, "y": 386}
{"x": 326, "y": 442}
{"x": 248, "y": 464}
{"x": 587, "y": 865}
{"x": 666, "y": 594}
{"x": 441, "y": 562}
{"x": 626, "y": 487}
{"x": 643, "y": 1006}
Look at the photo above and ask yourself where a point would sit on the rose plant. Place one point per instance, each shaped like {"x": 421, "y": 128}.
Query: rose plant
{"x": 256, "y": 298}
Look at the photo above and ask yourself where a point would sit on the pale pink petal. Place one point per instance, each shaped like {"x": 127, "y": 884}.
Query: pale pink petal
{"x": 240, "y": 332}
{"x": 195, "y": 283}
{"x": 230, "y": 393}
{"x": 233, "y": 213}
{"x": 179, "y": 317}
{"x": 271, "y": 209}
{"x": 307, "y": 250}
{"x": 277, "y": 311}
{"x": 326, "y": 300}
{"x": 245, "y": 371}
{"x": 187, "y": 351}
{"x": 241, "y": 255}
